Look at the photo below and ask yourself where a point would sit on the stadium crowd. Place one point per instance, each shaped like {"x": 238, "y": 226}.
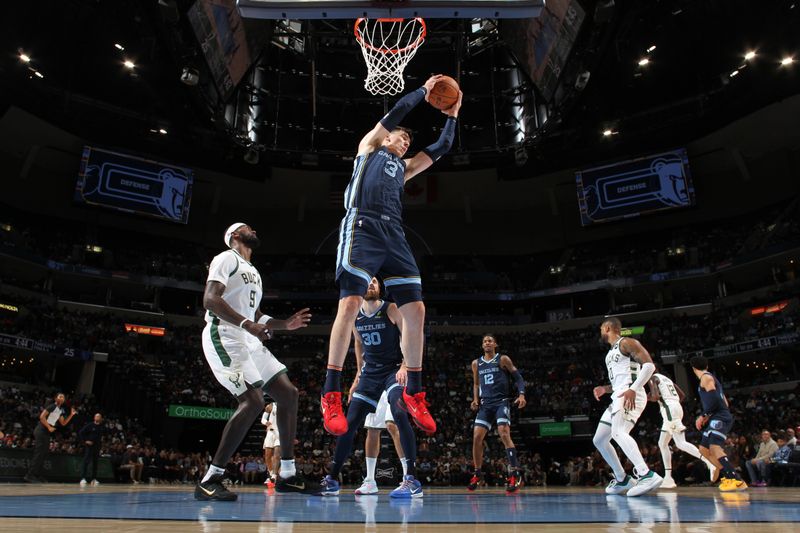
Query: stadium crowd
{"x": 74, "y": 243}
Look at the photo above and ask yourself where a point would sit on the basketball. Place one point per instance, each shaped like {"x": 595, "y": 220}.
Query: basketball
{"x": 444, "y": 94}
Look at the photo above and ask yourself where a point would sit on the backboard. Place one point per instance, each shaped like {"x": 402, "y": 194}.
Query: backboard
{"x": 335, "y": 9}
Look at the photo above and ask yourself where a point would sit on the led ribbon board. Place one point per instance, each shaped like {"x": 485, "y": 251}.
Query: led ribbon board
{"x": 134, "y": 185}
{"x": 635, "y": 187}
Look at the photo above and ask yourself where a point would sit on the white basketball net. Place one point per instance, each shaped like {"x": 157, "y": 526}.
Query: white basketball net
{"x": 388, "y": 45}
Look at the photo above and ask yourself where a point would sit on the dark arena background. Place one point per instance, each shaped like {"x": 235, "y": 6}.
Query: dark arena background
{"x": 611, "y": 158}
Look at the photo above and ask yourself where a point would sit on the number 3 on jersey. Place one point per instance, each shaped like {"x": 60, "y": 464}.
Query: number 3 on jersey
{"x": 371, "y": 339}
{"x": 391, "y": 168}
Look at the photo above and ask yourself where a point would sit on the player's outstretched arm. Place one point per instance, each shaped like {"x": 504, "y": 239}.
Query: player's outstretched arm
{"x": 298, "y": 320}
{"x": 430, "y": 154}
{"x": 392, "y": 119}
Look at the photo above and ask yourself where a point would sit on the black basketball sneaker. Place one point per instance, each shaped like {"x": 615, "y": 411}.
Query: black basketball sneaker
{"x": 213, "y": 489}
{"x": 296, "y": 483}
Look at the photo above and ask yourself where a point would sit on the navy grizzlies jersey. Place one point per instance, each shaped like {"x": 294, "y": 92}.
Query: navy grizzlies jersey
{"x": 377, "y": 184}
{"x": 492, "y": 380}
{"x": 706, "y": 397}
{"x": 379, "y": 337}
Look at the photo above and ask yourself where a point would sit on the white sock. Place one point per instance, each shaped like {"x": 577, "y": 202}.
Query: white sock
{"x": 602, "y": 441}
{"x": 212, "y": 471}
{"x": 287, "y": 468}
{"x": 405, "y": 466}
{"x": 371, "y": 463}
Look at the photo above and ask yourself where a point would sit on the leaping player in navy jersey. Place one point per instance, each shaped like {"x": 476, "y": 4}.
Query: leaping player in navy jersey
{"x": 372, "y": 241}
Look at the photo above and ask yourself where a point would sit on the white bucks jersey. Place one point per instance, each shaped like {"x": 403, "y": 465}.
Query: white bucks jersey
{"x": 667, "y": 390}
{"x": 622, "y": 370}
{"x": 242, "y": 283}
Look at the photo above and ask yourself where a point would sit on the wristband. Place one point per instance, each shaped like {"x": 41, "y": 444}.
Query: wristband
{"x": 241, "y": 324}
{"x": 264, "y": 319}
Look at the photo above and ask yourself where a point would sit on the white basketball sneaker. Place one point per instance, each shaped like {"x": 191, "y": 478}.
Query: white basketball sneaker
{"x": 646, "y": 483}
{"x": 367, "y": 487}
{"x": 83, "y": 483}
{"x": 668, "y": 483}
{"x": 620, "y": 487}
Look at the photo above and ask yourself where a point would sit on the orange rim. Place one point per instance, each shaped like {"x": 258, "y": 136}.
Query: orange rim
{"x": 416, "y": 43}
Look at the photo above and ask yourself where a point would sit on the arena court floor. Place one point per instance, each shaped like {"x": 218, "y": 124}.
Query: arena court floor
{"x": 155, "y": 509}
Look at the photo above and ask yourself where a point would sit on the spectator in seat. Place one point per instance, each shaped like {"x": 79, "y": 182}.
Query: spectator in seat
{"x": 757, "y": 467}
{"x": 781, "y": 457}
{"x": 131, "y": 463}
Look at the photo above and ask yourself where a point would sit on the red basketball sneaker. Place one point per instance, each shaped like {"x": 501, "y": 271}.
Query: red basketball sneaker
{"x": 417, "y": 407}
{"x": 514, "y": 482}
{"x": 333, "y": 417}
{"x": 474, "y": 481}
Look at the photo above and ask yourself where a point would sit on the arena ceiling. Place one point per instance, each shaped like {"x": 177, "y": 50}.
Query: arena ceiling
{"x": 312, "y": 108}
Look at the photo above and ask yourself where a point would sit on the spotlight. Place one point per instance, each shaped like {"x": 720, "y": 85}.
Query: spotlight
{"x": 25, "y": 58}
{"x": 750, "y": 55}
{"x": 119, "y": 47}
{"x": 786, "y": 61}
{"x": 162, "y": 131}
{"x": 608, "y": 133}
{"x": 190, "y": 76}
{"x": 734, "y": 73}
{"x": 653, "y": 47}
{"x": 38, "y": 74}
{"x": 643, "y": 62}
{"x": 129, "y": 64}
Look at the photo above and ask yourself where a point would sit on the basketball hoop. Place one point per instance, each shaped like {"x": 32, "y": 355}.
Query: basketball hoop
{"x": 388, "y": 45}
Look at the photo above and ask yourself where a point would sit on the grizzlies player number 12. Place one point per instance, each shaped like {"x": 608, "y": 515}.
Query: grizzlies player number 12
{"x": 488, "y": 379}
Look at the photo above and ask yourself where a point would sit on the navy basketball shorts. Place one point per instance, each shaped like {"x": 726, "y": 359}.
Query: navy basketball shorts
{"x": 373, "y": 381}
{"x": 373, "y": 245}
{"x": 493, "y": 414}
{"x": 716, "y": 432}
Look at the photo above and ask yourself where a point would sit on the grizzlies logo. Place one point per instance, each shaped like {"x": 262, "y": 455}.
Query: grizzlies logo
{"x": 673, "y": 190}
